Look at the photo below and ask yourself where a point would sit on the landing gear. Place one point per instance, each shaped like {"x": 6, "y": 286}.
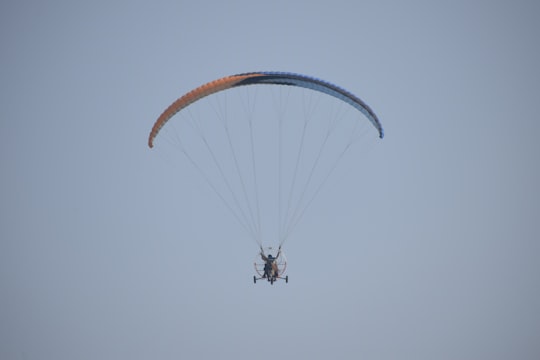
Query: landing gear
{"x": 271, "y": 279}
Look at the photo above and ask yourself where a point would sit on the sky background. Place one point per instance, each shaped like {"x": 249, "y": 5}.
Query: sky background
{"x": 429, "y": 248}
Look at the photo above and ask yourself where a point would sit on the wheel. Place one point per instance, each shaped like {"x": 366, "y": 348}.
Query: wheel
{"x": 287, "y": 279}
{"x": 254, "y": 279}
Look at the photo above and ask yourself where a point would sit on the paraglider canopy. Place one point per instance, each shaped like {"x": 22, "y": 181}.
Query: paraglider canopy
{"x": 272, "y": 78}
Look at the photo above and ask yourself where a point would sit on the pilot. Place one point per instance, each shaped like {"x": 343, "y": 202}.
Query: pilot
{"x": 270, "y": 265}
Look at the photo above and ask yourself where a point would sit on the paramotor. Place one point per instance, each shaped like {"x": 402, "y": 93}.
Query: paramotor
{"x": 266, "y": 151}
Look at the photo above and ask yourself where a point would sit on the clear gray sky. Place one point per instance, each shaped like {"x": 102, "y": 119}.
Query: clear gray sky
{"x": 427, "y": 250}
